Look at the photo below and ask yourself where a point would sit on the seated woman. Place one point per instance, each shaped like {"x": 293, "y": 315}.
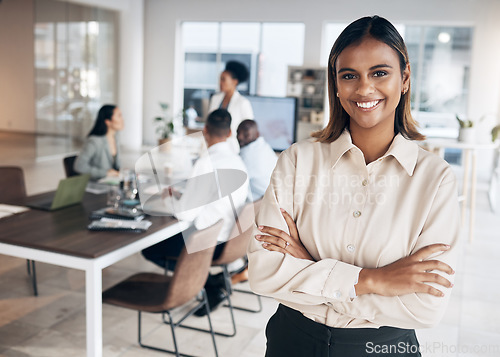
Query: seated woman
{"x": 100, "y": 156}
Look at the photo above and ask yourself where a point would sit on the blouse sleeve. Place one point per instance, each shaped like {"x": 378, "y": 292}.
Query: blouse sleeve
{"x": 417, "y": 310}
{"x": 83, "y": 163}
{"x": 282, "y": 276}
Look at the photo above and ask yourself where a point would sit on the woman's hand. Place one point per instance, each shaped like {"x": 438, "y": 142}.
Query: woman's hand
{"x": 407, "y": 275}
{"x": 280, "y": 241}
{"x": 112, "y": 173}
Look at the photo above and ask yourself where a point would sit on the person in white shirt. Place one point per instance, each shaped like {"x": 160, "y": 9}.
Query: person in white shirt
{"x": 258, "y": 156}
{"x": 203, "y": 202}
{"x": 230, "y": 99}
{"x": 356, "y": 235}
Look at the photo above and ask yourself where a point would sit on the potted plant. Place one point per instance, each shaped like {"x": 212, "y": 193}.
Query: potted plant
{"x": 495, "y": 133}
{"x": 164, "y": 125}
{"x": 466, "y": 132}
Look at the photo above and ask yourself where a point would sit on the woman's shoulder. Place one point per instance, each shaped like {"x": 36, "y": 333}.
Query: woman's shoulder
{"x": 96, "y": 140}
{"x": 434, "y": 165}
{"x": 306, "y": 149}
{"x": 217, "y": 96}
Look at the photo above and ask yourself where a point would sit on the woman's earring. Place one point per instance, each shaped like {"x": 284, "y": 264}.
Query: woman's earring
{"x": 338, "y": 96}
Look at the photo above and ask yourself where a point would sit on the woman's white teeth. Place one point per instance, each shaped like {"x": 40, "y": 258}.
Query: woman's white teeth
{"x": 367, "y": 105}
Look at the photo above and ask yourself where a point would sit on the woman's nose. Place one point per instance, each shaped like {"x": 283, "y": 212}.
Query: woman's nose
{"x": 365, "y": 87}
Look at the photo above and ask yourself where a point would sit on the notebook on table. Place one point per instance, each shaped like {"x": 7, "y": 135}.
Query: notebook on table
{"x": 69, "y": 192}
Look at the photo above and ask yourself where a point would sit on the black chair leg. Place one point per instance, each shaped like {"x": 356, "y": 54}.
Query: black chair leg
{"x": 173, "y": 325}
{"x": 228, "y": 298}
{"x": 207, "y": 306}
{"x": 259, "y": 301}
{"x": 30, "y": 265}
{"x": 229, "y": 288}
{"x": 139, "y": 340}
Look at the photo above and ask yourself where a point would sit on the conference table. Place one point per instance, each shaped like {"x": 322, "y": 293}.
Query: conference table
{"x": 62, "y": 238}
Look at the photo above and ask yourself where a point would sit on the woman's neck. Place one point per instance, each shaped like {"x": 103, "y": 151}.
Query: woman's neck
{"x": 372, "y": 142}
{"x": 228, "y": 95}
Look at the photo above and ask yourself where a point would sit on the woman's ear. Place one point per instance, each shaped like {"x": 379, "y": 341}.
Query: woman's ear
{"x": 406, "y": 76}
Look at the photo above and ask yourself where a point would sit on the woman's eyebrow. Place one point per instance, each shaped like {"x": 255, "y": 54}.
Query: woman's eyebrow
{"x": 383, "y": 65}
{"x": 380, "y": 66}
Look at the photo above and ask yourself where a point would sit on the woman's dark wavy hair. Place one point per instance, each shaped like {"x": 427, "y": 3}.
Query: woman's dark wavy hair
{"x": 237, "y": 70}
{"x": 381, "y": 30}
{"x": 105, "y": 113}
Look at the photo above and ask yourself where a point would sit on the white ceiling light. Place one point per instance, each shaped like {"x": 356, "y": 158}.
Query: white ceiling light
{"x": 444, "y": 37}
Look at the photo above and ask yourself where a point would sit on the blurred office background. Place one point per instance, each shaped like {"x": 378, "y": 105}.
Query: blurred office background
{"x": 61, "y": 60}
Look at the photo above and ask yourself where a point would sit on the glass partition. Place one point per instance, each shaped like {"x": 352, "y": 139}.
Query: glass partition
{"x": 75, "y": 71}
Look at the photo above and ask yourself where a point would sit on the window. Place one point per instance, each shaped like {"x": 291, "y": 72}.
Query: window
{"x": 75, "y": 66}
{"x": 440, "y": 60}
{"x": 267, "y": 49}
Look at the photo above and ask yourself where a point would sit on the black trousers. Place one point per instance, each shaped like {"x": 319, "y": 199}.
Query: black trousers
{"x": 290, "y": 334}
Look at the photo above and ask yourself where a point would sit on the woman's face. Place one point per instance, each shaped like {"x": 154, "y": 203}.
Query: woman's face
{"x": 227, "y": 83}
{"x": 369, "y": 84}
{"x": 116, "y": 121}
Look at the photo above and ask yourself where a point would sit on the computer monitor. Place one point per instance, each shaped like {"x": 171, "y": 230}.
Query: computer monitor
{"x": 276, "y": 118}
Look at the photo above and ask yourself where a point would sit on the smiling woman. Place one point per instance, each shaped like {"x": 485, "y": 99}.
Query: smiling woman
{"x": 355, "y": 235}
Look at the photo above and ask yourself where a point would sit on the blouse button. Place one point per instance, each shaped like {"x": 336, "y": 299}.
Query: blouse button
{"x": 364, "y": 183}
{"x": 351, "y": 248}
{"x": 337, "y": 294}
{"x": 356, "y": 214}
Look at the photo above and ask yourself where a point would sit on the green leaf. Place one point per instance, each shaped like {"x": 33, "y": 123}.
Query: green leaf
{"x": 495, "y": 132}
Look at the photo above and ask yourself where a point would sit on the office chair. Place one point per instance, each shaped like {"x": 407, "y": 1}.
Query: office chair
{"x": 159, "y": 293}
{"x": 12, "y": 189}
{"x": 68, "y": 163}
{"x": 234, "y": 249}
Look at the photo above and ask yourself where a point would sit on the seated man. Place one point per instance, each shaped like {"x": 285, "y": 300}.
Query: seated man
{"x": 260, "y": 160}
{"x": 212, "y": 208}
{"x": 258, "y": 156}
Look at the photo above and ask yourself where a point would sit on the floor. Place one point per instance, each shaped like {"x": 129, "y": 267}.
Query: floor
{"x": 53, "y": 324}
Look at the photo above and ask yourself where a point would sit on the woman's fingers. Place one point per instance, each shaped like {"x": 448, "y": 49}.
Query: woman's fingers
{"x": 279, "y": 242}
{"x": 435, "y": 278}
{"x": 274, "y": 232}
{"x": 429, "y": 265}
{"x": 273, "y": 248}
{"x": 427, "y": 251}
{"x": 292, "y": 227}
{"x": 427, "y": 289}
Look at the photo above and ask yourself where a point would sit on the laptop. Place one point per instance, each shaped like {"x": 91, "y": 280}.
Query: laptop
{"x": 69, "y": 192}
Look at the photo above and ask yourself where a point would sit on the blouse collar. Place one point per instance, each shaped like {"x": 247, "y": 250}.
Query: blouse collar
{"x": 403, "y": 150}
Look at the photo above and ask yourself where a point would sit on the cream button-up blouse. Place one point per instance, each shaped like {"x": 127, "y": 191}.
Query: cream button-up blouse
{"x": 350, "y": 216}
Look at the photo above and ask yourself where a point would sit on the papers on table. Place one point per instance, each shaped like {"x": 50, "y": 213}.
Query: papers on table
{"x": 97, "y": 188}
{"x": 9, "y": 210}
{"x": 110, "y": 180}
{"x": 110, "y": 224}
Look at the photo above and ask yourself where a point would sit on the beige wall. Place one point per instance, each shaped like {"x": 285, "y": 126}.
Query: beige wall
{"x": 17, "y": 87}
